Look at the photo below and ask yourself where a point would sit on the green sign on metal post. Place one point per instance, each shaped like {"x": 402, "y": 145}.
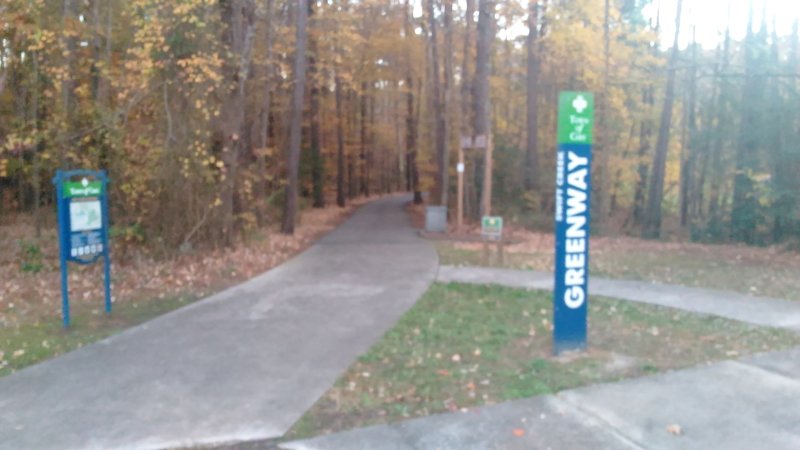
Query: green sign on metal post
{"x": 82, "y": 227}
{"x": 492, "y": 227}
{"x": 575, "y": 118}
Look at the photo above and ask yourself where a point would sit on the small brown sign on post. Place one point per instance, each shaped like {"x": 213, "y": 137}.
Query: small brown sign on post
{"x": 478, "y": 142}
{"x": 467, "y": 143}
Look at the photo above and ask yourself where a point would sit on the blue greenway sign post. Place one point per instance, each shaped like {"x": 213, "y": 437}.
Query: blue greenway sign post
{"x": 82, "y": 227}
{"x": 573, "y": 188}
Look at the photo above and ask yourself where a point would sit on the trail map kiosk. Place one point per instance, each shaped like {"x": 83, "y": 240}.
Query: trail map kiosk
{"x": 82, "y": 227}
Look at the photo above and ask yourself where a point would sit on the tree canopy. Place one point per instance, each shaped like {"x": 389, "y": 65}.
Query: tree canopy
{"x": 213, "y": 116}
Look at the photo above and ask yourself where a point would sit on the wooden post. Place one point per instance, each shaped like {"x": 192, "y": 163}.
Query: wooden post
{"x": 501, "y": 252}
{"x": 487, "y": 177}
{"x": 460, "y": 207}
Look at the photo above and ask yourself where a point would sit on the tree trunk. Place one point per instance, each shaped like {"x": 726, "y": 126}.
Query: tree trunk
{"x": 36, "y": 175}
{"x": 483, "y": 66}
{"x": 655, "y": 194}
{"x": 482, "y": 71}
{"x": 617, "y": 185}
{"x": 466, "y": 83}
{"x": 438, "y": 110}
{"x": 645, "y": 134}
{"x": 600, "y": 182}
{"x": 3, "y": 75}
{"x": 340, "y": 193}
{"x": 467, "y": 118}
{"x": 699, "y": 203}
{"x": 94, "y": 69}
{"x": 531, "y": 177}
{"x": 744, "y": 212}
{"x": 67, "y": 83}
{"x": 317, "y": 163}
{"x": 688, "y": 167}
{"x": 261, "y": 165}
{"x": 364, "y": 188}
{"x": 785, "y": 209}
{"x": 722, "y": 109}
{"x": 779, "y": 119}
{"x": 352, "y": 180}
{"x": 411, "y": 118}
{"x": 411, "y": 141}
{"x": 447, "y": 96}
{"x": 238, "y": 15}
{"x": 373, "y": 139}
{"x": 296, "y": 124}
{"x": 105, "y": 83}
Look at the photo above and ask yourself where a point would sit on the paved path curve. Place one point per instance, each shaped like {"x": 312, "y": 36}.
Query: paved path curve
{"x": 741, "y": 404}
{"x": 731, "y": 305}
{"x": 746, "y": 404}
{"x": 243, "y": 364}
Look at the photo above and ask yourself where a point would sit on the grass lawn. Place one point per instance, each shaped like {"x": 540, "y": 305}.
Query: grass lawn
{"x": 29, "y": 343}
{"x": 768, "y": 272}
{"x": 463, "y": 346}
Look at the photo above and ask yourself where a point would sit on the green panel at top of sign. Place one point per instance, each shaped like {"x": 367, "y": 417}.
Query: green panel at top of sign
{"x": 83, "y": 188}
{"x": 492, "y": 223}
{"x": 575, "y": 117}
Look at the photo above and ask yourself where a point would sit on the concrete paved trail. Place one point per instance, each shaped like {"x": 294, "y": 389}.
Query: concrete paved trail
{"x": 762, "y": 311}
{"x": 244, "y": 364}
{"x": 751, "y": 403}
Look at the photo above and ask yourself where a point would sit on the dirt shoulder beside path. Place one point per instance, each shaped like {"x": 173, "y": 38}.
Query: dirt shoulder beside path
{"x": 143, "y": 286}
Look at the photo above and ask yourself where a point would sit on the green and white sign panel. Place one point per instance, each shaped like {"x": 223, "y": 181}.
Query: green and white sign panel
{"x": 492, "y": 227}
{"x": 573, "y": 189}
{"x": 575, "y": 118}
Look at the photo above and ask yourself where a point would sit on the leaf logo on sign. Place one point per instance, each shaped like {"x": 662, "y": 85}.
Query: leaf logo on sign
{"x": 580, "y": 104}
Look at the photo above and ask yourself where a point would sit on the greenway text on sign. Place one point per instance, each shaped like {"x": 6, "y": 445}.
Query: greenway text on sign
{"x": 573, "y": 188}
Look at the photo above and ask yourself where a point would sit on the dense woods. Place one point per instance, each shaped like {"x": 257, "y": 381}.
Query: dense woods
{"x": 215, "y": 117}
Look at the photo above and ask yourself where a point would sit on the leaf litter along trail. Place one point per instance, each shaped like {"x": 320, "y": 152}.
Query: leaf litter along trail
{"x": 143, "y": 287}
{"x": 759, "y": 271}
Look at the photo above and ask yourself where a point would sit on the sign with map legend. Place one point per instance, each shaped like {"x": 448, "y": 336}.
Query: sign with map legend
{"x": 82, "y": 227}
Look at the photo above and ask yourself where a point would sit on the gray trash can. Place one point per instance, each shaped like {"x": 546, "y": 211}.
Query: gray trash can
{"x": 436, "y": 219}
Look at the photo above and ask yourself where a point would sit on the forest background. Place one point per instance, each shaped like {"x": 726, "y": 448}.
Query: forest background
{"x": 216, "y": 117}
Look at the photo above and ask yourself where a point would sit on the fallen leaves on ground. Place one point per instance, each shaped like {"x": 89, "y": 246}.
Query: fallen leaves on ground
{"x": 760, "y": 271}
{"x": 674, "y": 430}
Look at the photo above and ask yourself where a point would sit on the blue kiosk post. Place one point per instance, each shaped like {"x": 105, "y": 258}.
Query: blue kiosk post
{"x": 82, "y": 227}
{"x": 573, "y": 189}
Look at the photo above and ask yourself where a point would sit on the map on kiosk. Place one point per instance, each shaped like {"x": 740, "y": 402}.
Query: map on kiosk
{"x": 85, "y": 215}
